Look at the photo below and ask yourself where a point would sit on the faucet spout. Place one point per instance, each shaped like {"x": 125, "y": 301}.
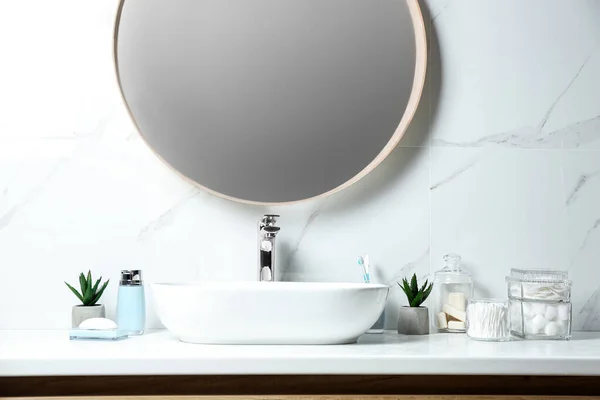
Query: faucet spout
{"x": 267, "y": 231}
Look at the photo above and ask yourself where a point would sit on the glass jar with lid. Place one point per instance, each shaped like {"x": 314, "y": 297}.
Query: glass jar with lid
{"x": 453, "y": 287}
{"x": 540, "y": 304}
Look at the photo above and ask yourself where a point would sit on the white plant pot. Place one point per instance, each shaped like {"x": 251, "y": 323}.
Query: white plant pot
{"x": 81, "y": 313}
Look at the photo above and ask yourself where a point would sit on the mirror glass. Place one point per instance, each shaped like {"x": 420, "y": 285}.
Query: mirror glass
{"x": 271, "y": 101}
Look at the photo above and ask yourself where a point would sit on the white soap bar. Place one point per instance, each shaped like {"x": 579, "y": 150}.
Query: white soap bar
{"x": 454, "y": 312}
{"x": 457, "y": 300}
{"x": 442, "y": 322}
{"x": 456, "y": 325}
{"x": 98, "y": 324}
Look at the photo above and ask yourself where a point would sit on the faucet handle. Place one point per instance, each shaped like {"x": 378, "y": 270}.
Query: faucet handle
{"x": 271, "y": 229}
{"x": 269, "y": 220}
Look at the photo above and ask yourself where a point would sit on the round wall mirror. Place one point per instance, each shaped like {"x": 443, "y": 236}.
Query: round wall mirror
{"x": 271, "y": 101}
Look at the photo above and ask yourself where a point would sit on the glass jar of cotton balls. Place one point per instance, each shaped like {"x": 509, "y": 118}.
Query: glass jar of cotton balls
{"x": 539, "y": 304}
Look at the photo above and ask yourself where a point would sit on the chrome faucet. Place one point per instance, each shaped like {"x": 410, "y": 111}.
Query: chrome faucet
{"x": 267, "y": 231}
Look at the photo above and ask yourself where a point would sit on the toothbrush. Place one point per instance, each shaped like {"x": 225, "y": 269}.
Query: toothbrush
{"x": 368, "y": 268}
{"x": 365, "y": 268}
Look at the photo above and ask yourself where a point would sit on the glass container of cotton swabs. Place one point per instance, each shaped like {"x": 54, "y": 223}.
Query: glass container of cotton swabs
{"x": 487, "y": 320}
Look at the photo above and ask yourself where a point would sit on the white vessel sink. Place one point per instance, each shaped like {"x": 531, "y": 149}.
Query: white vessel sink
{"x": 269, "y": 312}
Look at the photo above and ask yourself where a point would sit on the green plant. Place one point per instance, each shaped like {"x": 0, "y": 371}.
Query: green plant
{"x": 415, "y": 295}
{"x": 89, "y": 295}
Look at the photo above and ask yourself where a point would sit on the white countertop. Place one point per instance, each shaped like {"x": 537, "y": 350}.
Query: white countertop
{"x": 31, "y": 353}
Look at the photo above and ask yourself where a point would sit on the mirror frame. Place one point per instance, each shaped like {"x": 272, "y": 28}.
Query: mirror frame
{"x": 409, "y": 112}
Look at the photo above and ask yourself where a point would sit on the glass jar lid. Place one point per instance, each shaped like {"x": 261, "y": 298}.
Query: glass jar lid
{"x": 453, "y": 271}
{"x": 539, "y": 275}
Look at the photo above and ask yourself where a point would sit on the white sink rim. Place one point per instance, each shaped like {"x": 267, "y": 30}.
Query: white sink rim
{"x": 274, "y": 285}
{"x": 251, "y": 312}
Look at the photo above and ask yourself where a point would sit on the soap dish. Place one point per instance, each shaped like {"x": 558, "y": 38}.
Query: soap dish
{"x": 95, "y": 334}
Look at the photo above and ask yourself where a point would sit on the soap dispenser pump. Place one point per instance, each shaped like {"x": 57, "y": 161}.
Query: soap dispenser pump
{"x": 131, "y": 303}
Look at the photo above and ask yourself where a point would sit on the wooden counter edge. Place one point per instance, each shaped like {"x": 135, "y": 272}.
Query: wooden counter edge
{"x": 232, "y": 385}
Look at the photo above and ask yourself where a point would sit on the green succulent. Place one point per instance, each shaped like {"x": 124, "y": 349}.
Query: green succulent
{"x": 415, "y": 296}
{"x": 89, "y": 295}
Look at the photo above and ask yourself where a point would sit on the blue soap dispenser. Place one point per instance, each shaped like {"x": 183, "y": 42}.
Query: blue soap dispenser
{"x": 131, "y": 303}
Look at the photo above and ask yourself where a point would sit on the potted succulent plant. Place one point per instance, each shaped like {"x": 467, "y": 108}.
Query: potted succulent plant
{"x": 414, "y": 318}
{"x": 89, "y": 297}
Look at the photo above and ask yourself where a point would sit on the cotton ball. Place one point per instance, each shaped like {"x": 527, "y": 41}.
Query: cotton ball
{"x": 552, "y": 329}
{"x": 563, "y": 312}
{"x": 530, "y": 327}
{"x": 539, "y": 322}
{"x": 562, "y": 327}
{"x": 551, "y": 313}
{"x": 538, "y": 308}
{"x": 527, "y": 310}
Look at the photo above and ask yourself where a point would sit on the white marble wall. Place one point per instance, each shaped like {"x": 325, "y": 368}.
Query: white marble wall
{"x": 501, "y": 165}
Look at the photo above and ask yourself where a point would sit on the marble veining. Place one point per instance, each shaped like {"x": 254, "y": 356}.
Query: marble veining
{"x": 501, "y": 165}
{"x": 453, "y": 176}
{"x": 583, "y": 179}
{"x": 588, "y": 235}
{"x": 409, "y": 268}
{"x": 5, "y": 219}
{"x": 536, "y": 136}
{"x": 290, "y": 259}
{"x": 565, "y": 90}
{"x": 167, "y": 218}
{"x": 591, "y": 313}
{"x": 436, "y": 12}
{"x": 580, "y": 134}
{"x": 31, "y": 195}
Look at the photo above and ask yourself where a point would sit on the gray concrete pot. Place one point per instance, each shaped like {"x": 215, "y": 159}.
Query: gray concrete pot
{"x": 81, "y": 313}
{"x": 413, "y": 320}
